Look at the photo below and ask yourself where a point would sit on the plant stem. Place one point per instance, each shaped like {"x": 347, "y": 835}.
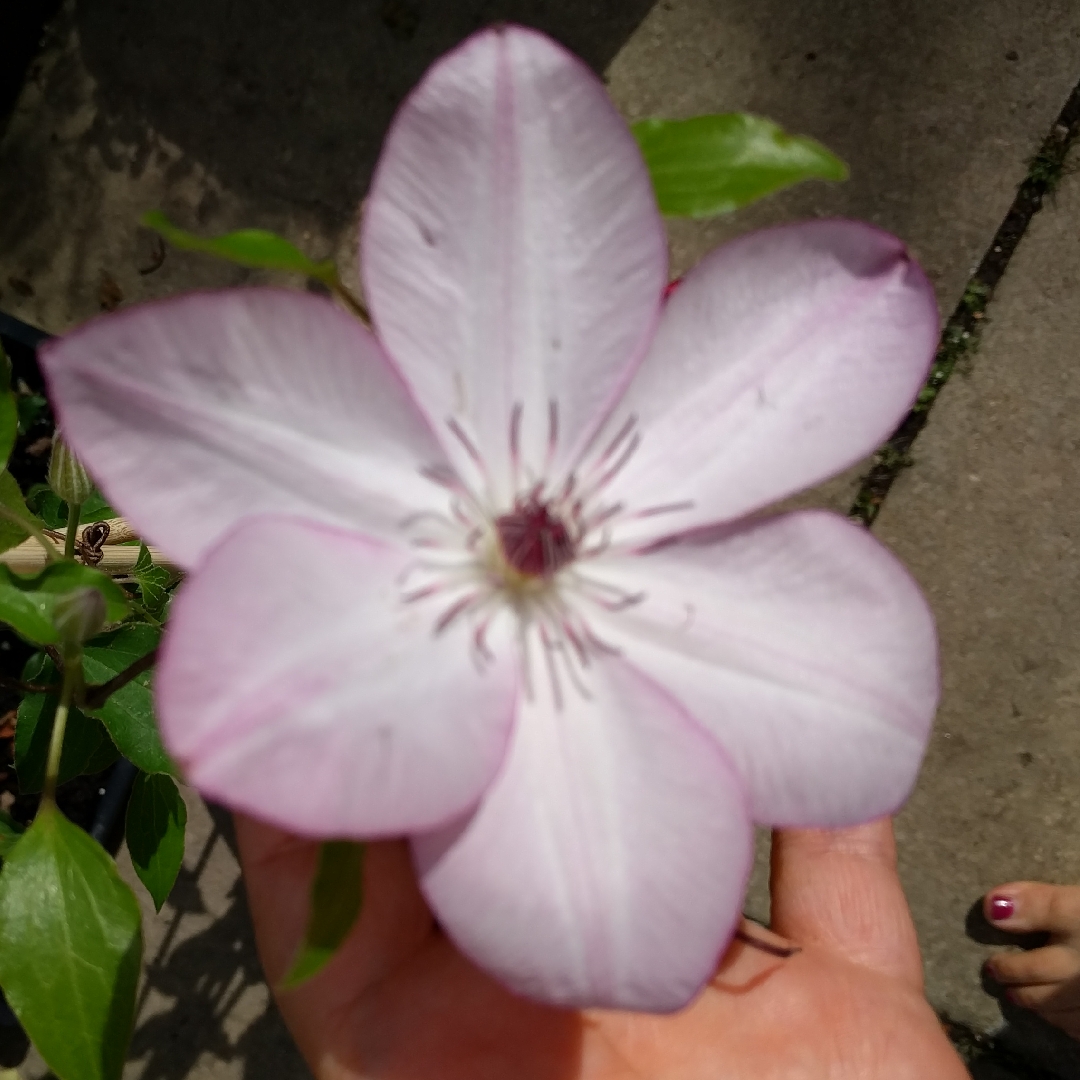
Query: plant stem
{"x": 72, "y": 664}
{"x": 140, "y": 610}
{"x": 21, "y": 687}
{"x": 72, "y": 534}
{"x": 51, "y": 554}
{"x": 97, "y": 695}
{"x": 351, "y": 302}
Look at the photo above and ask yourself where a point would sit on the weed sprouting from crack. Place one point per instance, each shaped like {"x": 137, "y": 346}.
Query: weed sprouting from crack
{"x": 1047, "y": 167}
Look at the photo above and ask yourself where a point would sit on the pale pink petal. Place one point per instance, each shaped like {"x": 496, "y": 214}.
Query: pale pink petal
{"x": 784, "y": 357}
{"x": 803, "y": 645}
{"x": 296, "y": 685}
{"x": 195, "y": 412}
{"x": 512, "y": 249}
{"x": 606, "y": 864}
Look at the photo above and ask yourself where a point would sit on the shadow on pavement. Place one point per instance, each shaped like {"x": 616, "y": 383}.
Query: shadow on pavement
{"x": 218, "y": 1007}
{"x": 289, "y": 102}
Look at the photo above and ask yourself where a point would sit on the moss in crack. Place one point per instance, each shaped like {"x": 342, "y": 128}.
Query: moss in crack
{"x": 958, "y": 345}
{"x": 1047, "y": 167}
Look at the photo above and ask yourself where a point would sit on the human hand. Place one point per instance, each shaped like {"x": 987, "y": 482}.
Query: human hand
{"x": 400, "y": 1001}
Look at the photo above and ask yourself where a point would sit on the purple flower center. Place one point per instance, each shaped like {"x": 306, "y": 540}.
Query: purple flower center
{"x": 535, "y": 542}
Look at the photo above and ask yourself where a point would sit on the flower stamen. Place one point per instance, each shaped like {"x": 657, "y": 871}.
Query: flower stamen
{"x": 553, "y": 431}
{"x": 665, "y": 508}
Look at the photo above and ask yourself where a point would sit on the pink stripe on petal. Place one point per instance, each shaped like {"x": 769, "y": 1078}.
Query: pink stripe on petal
{"x": 297, "y": 686}
{"x": 512, "y": 249}
{"x": 195, "y": 412}
{"x": 803, "y": 645}
{"x": 782, "y": 358}
{"x": 607, "y": 862}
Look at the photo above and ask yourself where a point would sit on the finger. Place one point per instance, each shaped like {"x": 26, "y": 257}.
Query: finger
{"x": 393, "y": 924}
{"x": 839, "y": 889}
{"x": 1023, "y": 906}
{"x": 1054, "y": 964}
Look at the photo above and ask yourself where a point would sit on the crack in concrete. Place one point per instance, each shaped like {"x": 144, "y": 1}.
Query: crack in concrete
{"x": 960, "y": 338}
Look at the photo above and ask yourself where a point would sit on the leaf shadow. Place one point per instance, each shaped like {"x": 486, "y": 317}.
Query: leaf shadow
{"x": 204, "y": 996}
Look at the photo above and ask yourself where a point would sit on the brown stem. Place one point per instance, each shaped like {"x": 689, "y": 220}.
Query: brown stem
{"x": 26, "y": 687}
{"x": 96, "y": 696}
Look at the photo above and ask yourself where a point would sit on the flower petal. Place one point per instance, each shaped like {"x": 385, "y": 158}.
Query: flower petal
{"x": 512, "y": 249}
{"x": 194, "y": 412}
{"x": 784, "y": 357}
{"x": 803, "y": 645}
{"x": 296, "y": 685}
{"x": 607, "y": 863}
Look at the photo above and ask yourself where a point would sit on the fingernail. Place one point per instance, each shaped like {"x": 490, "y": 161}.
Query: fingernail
{"x": 1001, "y": 908}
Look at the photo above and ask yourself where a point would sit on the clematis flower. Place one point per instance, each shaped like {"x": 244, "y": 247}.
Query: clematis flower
{"x": 490, "y": 577}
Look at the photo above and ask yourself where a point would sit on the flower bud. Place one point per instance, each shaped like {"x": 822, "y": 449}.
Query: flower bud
{"x": 79, "y": 615}
{"x": 67, "y": 477}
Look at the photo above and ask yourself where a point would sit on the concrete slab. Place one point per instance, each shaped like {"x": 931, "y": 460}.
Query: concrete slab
{"x": 986, "y": 519}
{"x": 229, "y": 115}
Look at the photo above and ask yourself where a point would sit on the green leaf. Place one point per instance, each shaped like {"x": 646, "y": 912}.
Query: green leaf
{"x": 10, "y": 831}
{"x": 94, "y": 509}
{"x": 153, "y": 582}
{"x": 336, "y": 898}
{"x": 47, "y": 505}
{"x": 70, "y": 945}
{"x": 86, "y": 742}
{"x": 53, "y": 511}
{"x": 714, "y": 164}
{"x": 28, "y": 603}
{"x": 31, "y": 408}
{"x": 156, "y": 818}
{"x": 128, "y": 715}
{"x": 104, "y": 756}
{"x": 248, "y": 247}
{"x": 11, "y": 499}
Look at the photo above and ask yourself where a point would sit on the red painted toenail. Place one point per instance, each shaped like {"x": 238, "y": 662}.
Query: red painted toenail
{"x": 1001, "y": 908}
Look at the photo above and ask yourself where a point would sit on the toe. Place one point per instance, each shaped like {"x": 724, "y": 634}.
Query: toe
{"x": 1055, "y": 998}
{"x": 1023, "y": 906}
{"x": 1053, "y": 965}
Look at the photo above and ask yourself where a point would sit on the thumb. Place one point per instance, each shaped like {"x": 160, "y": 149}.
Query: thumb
{"x": 839, "y": 889}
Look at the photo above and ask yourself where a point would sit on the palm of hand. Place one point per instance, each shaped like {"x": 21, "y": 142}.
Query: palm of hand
{"x": 400, "y": 1002}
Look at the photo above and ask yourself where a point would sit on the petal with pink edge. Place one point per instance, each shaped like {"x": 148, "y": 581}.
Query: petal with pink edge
{"x": 296, "y": 685}
{"x": 195, "y": 412}
{"x": 783, "y": 358}
{"x": 803, "y": 645}
{"x": 607, "y": 863}
{"x": 512, "y": 250}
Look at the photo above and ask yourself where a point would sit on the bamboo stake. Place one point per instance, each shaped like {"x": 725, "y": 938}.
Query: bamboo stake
{"x": 117, "y": 556}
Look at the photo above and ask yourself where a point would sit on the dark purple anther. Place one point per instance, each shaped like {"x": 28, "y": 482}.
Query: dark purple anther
{"x": 534, "y": 541}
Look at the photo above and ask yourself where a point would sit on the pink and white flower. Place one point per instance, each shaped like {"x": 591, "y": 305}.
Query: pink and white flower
{"x": 489, "y": 577}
